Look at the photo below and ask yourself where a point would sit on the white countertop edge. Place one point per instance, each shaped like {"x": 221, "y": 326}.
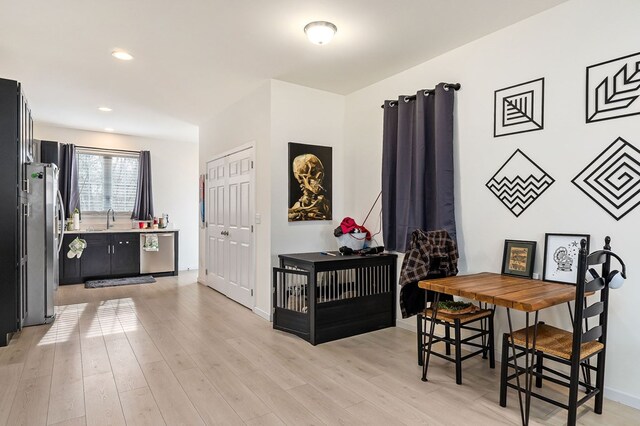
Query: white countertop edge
{"x": 123, "y": 231}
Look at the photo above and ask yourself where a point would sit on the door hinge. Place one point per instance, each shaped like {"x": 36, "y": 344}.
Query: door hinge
{"x": 252, "y": 164}
{"x": 251, "y": 228}
{"x": 206, "y": 272}
{"x": 251, "y": 292}
{"x": 206, "y": 176}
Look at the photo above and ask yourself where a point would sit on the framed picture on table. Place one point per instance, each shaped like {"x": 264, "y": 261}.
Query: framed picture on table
{"x": 518, "y": 258}
{"x": 561, "y": 257}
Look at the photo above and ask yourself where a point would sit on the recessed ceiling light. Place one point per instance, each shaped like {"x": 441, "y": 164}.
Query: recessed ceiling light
{"x": 122, "y": 55}
{"x": 320, "y": 32}
{"x": 108, "y": 129}
{"x": 105, "y": 109}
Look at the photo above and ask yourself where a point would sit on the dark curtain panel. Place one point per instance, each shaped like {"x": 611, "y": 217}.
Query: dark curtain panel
{"x": 143, "y": 208}
{"x": 417, "y": 166}
{"x": 68, "y": 179}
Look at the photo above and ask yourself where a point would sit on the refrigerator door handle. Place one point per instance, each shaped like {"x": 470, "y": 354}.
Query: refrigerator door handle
{"x": 62, "y": 219}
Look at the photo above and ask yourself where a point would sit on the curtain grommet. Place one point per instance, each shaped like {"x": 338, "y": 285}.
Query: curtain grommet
{"x": 406, "y": 99}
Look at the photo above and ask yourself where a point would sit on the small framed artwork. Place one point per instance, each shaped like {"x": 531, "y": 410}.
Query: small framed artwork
{"x": 518, "y": 258}
{"x": 561, "y": 257}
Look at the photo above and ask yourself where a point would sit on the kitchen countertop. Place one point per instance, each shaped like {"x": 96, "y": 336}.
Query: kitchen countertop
{"x": 119, "y": 231}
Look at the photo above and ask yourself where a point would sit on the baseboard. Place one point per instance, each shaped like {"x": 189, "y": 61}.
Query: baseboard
{"x": 622, "y": 397}
{"x": 262, "y": 314}
{"x": 201, "y": 280}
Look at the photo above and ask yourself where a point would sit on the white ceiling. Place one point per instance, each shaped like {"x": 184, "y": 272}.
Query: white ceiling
{"x": 194, "y": 57}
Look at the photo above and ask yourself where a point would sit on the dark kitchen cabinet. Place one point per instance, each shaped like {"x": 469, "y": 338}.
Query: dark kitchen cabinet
{"x": 125, "y": 254}
{"x": 16, "y": 142}
{"x": 96, "y": 257}
{"x": 107, "y": 255}
{"x": 69, "y": 268}
{"x": 110, "y": 255}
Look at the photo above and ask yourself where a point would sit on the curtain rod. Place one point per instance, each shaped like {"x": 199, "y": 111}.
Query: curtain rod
{"x": 454, "y": 86}
{"x": 107, "y": 149}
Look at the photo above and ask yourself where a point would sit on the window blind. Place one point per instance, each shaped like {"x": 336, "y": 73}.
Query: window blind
{"x": 107, "y": 180}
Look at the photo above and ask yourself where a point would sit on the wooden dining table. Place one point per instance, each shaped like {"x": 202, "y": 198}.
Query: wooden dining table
{"x": 521, "y": 294}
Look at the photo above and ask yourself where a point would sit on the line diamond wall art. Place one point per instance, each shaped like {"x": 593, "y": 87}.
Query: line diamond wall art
{"x": 519, "y": 108}
{"x": 612, "y": 179}
{"x": 519, "y": 182}
{"x": 613, "y": 88}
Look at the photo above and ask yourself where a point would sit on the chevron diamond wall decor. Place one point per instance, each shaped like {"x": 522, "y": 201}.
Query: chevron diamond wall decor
{"x": 612, "y": 180}
{"x": 519, "y": 182}
{"x": 519, "y": 108}
{"x": 613, "y": 88}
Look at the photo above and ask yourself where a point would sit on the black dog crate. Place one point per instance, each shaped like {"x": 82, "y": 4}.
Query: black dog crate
{"x": 322, "y": 298}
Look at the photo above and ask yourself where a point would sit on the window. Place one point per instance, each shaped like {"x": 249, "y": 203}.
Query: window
{"x": 107, "y": 180}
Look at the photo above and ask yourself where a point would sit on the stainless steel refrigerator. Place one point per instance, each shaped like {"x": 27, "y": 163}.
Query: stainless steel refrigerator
{"x": 45, "y": 231}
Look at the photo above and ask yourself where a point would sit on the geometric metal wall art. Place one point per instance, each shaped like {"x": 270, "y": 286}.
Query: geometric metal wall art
{"x": 612, "y": 179}
{"x": 519, "y": 182}
{"x": 519, "y": 108}
{"x": 613, "y": 88}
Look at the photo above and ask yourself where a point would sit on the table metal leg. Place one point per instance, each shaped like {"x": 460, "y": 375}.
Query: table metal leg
{"x": 529, "y": 362}
{"x": 432, "y": 327}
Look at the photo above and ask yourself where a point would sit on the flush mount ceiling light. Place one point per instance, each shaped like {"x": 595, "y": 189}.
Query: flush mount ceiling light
{"x": 320, "y": 32}
{"x": 122, "y": 55}
{"x": 109, "y": 129}
{"x": 105, "y": 109}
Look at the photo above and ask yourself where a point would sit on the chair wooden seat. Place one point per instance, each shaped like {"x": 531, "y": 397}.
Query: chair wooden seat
{"x": 459, "y": 323}
{"x": 464, "y": 318}
{"x": 555, "y": 341}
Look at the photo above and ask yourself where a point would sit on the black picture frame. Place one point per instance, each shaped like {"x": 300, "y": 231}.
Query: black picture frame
{"x": 527, "y": 103}
{"x": 565, "y": 271}
{"x": 512, "y": 262}
{"x": 322, "y": 199}
{"x": 518, "y": 191}
{"x": 611, "y": 179}
{"x": 620, "y": 101}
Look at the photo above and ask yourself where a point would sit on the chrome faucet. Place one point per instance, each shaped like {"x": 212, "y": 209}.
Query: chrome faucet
{"x": 113, "y": 217}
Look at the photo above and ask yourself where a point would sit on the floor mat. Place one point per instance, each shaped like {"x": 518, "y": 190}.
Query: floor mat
{"x": 148, "y": 279}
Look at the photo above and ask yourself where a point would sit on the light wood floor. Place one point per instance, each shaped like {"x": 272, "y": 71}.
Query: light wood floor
{"x": 176, "y": 352}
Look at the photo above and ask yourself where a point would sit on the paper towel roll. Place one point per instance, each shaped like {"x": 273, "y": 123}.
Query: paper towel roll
{"x": 76, "y": 221}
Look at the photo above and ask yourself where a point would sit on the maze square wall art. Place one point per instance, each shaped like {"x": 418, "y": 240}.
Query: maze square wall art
{"x": 519, "y": 108}
{"x": 613, "y": 88}
{"x": 612, "y": 179}
{"x": 519, "y": 182}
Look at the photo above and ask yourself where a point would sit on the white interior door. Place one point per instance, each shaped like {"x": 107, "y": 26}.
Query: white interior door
{"x": 231, "y": 256}
{"x": 216, "y": 196}
{"x": 239, "y": 238}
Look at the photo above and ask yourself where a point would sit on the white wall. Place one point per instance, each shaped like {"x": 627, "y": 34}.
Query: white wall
{"x": 246, "y": 121}
{"x": 174, "y": 167}
{"x": 303, "y": 115}
{"x": 558, "y": 45}
{"x": 272, "y": 116}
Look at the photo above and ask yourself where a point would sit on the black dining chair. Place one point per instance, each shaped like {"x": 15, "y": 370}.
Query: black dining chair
{"x": 479, "y": 324}
{"x": 571, "y": 348}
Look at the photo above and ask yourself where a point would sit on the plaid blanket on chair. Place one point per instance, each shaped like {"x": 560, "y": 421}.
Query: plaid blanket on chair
{"x": 431, "y": 254}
